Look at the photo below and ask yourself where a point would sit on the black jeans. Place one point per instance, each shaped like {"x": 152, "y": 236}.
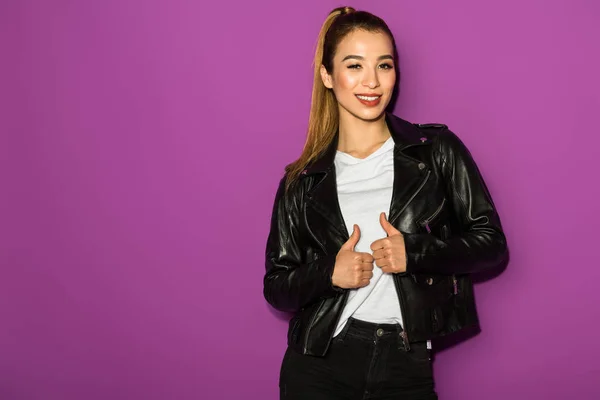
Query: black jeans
{"x": 365, "y": 361}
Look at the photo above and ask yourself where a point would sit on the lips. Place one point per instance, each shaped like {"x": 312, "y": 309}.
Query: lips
{"x": 368, "y": 97}
{"x": 370, "y": 100}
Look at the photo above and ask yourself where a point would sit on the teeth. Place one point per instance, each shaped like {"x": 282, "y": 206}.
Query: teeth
{"x": 367, "y": 98}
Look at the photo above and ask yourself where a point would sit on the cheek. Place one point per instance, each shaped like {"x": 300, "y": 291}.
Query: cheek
{"x": 345, "y": 81}
{"x": 388, "y": 80}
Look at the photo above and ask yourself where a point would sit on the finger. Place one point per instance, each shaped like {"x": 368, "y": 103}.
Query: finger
{"x": 367, "y": 275}
{"x": 367, "y": 267}
{"x": 382, "y": 262}
{"x": 381, "y": 253}
{"x": 366, "y": 257}
{"x": 381, "y": 244}
{"x": 376, "y": 245}
{"x": 387, "y": 227}
{"x": 353, "y": 240}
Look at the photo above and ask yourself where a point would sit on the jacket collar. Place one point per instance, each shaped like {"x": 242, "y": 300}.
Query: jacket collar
{"x": 404, "y": 134}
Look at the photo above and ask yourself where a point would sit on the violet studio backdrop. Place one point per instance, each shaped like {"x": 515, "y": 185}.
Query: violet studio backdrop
{"x": 141, "y": 143}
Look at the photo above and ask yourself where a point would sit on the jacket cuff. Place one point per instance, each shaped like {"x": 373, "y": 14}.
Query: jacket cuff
{"x": 327, "y": 264}
{"x": 420, "y": 249}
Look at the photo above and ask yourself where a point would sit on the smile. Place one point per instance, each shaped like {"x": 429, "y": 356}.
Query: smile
{"x": 368, "y": 98}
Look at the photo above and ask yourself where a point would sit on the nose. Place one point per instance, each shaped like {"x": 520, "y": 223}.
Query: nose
{"x": 370, "y": 79}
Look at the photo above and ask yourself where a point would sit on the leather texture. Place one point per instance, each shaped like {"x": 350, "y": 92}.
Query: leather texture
{"x": 441, "y": 205}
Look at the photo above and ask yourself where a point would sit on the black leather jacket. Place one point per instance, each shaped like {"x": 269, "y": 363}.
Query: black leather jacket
{"x": 441, "y": 205}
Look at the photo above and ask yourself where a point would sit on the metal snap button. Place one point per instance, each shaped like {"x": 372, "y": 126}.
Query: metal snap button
{"x": 379, "y": 332}
{"x": 421, "y": 166}
{"x": 430, "y": 281}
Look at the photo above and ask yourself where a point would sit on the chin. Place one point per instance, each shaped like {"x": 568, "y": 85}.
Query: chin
{"x": 369, "y": 115}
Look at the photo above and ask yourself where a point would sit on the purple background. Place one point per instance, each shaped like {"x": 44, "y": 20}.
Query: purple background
{"x": 141, "y": 145}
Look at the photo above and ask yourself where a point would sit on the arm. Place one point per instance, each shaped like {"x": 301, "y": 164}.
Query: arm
{"x": 291, "y": 282}
{"x": 480, "y": 244}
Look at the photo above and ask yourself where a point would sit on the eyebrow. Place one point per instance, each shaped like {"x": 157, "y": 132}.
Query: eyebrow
{"x": 354, "y": 57}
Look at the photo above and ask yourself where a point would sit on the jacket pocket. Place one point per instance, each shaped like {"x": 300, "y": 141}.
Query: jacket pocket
{"x": 432, "y": 281}
{"x": 431, "y": 220}
{"x": 438, "y": 287}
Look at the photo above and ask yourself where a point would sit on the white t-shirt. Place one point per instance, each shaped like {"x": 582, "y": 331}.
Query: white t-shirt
{"x": 364, "y": 191}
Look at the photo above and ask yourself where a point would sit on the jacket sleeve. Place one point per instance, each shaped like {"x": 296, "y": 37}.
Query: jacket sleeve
{"x": 291, "y": 282}
{"x": 480, "y": 244}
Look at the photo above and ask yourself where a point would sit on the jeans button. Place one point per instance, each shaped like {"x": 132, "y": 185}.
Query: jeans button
{"x": 379, "y": 332}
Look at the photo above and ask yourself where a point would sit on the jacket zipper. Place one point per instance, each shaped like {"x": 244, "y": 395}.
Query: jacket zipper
{"x": 403, "y": 334}
{"x": 399, "y": 291}
{"x": 431, "y": 218}
{"x": 345, "y": 294}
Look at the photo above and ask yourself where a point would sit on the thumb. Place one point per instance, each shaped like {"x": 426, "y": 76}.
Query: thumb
{"x": 350, "y": 243}
{"x": 387, "y": 227}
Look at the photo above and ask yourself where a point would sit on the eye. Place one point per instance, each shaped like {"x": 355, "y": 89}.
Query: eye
{"x": 386, "y": 66}
{"x": 354, "y": 66}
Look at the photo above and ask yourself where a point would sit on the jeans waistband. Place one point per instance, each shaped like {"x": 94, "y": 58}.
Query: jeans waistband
{"x": 370, "y": 331}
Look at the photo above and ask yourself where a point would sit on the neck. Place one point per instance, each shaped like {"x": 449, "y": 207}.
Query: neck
{"x": 360, "y": 138}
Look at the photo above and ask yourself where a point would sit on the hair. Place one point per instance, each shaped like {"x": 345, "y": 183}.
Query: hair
{"x": 324, "y": 119}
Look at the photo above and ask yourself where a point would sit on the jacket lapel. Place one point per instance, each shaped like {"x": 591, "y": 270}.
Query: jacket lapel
{"x": 324, "y": 200}
{"x": 410, "y": 175}
{"x": 323, "y": 197}
{"x": 408, "y": 180}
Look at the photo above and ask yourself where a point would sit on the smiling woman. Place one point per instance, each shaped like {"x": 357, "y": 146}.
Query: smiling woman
{"x": 363, "y": 69}
{"x": 375, "y": 230}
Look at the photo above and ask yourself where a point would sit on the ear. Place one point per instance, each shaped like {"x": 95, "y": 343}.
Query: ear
{"x": 325, "y": 77}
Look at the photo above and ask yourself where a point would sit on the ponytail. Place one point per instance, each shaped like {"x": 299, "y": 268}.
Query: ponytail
{"x": 323, "y": 120}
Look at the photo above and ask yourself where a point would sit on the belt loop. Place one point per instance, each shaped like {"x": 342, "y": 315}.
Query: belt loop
{"x": 342, "y": 335}
{"x": 401, "y": 345}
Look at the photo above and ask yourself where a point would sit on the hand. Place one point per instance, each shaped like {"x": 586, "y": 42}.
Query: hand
{"x": 389, "y": 252}
{"x": 352, "y": 269}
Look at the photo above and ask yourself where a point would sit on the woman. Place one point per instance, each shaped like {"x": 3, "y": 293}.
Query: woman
{"x": 420, "y": 218}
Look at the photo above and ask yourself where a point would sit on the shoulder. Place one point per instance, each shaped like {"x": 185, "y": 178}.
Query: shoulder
{"x": 432, "y": 126}
{"x": 289, "y": 196}
{"x": 440, "y": 134}
{"x": 433, "y": 131}
{"x": 447, "y": 145}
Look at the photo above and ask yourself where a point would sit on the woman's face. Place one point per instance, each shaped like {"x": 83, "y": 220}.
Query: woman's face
{"x": 363, "y": 76}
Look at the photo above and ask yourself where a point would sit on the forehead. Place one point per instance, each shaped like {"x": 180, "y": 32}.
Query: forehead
{"x": 364, "y": 43}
